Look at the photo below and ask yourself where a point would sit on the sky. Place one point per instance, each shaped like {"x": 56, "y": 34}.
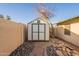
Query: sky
{"x": 26, "y": 12}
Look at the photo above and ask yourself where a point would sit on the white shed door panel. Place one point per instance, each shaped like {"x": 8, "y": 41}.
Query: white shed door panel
{"x": 41, "y": 28}
{"x": 38, "y": 32}
{"x": 35, "y": 36}
{"x": 35, "y": 28}
{"x": 41, "y": 36}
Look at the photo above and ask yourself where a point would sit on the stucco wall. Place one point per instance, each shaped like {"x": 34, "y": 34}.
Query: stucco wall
{"x": 11, "y": 36}
{"x": 73, "y": 37}
{"x": 75, "y": 33}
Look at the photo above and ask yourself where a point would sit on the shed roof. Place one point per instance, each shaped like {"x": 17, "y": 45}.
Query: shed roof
{"x": 69, "y": 21}
{"x": 34, "y": 20}
{"x": 39, "y": 19}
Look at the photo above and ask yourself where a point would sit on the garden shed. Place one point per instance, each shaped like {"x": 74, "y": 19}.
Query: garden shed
{"x": 38, "y": 30}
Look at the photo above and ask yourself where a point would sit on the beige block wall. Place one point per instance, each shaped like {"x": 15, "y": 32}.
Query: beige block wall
{"x": 73, "y": 38}
{"x": 11, "y": 36}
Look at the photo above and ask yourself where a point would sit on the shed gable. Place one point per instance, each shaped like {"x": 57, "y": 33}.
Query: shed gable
{"x": 38, "y": 20}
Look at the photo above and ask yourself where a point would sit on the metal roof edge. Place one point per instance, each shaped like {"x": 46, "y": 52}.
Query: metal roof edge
{"x": 73, "y": 18}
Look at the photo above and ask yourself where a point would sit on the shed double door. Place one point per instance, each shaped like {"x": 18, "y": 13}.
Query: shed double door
{"x": 38, "y": 31}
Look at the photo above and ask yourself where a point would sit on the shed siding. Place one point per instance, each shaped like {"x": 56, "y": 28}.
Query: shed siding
{"x": 47, "y": 32}
{"x": 29, "y": 32}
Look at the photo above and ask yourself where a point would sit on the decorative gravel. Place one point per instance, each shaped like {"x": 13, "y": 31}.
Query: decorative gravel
{"x": 23, "y": 50}
{"x": 51, "y": 51}
{"x": 61, "y": 50}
